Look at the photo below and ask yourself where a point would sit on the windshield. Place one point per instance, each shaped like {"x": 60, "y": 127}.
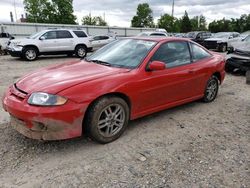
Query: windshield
{"x": 192, "y": 35}
{"x": 35, "y": 35}
{"x": 221, "y": 35}
{"x": 142, "y": 34}
{"x": 127, "y": 53}
{"x": 247, "y": 39}
{"x": 245, "y": 34}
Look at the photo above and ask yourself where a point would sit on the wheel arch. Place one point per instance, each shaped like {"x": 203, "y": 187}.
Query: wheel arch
{"x": 218, "y": 75}
{"x": 31, "y": 45}
{"x": 81, "y": 44}
{"x": 112, "y": 94}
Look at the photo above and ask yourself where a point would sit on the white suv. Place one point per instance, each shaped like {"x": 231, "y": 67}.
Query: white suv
{"x": 51, "y": 42}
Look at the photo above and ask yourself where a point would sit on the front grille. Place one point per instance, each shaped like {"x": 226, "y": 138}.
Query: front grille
{"x": 18, "y": 93}
{"x": 20, "y": 90}
{"x": 210, "y": 44}
{"x": 241, "y": 52}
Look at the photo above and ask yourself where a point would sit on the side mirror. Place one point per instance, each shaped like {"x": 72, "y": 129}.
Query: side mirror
{"x": 42, "y": 38}
{"x": 156, "y": 65}
{"x": 231, "y": 37}
{"x": 12, "y": 38}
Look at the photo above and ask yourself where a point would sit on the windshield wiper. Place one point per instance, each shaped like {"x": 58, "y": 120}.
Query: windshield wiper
{"x": 101, "y": 62}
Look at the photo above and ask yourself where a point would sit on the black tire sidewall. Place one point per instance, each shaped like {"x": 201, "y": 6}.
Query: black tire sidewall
{"x": 93, "y": 115}
{"x": 205, "y": 99}
{"x": 24, "y": 53}
{"x": 76, "y": 51}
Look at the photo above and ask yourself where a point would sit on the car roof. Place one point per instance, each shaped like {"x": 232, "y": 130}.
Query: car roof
{"x": 160, "y": 39}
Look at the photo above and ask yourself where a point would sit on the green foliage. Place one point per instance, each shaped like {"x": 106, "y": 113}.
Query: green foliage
{"x": 143, "y": 16}
{"x": 96, "y": 20}
{"x": 50, "y": 11}
{"x": 199, "y": 23}
{"x": 166, "y": 21}
{"x": 171, "y": 24}
{"x": 186, "y": 23}
{"x": 239, "y": 24}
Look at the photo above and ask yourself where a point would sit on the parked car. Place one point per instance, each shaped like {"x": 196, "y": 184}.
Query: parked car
{"x": 100, "y": 41}
{"x": 239, "y": 60}
{"x": 220, "y": 41}
{"x": 4, "y": 39}
{"x": 124, "y": 80}
{"x": 153, "y": 34}
{"x": 199, "y": 36}
{"x": 236, "y": 40}
{"x": 51, "y": 42}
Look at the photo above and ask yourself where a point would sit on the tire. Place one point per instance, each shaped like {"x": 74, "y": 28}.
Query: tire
{"x": 229, "y": 68}
{"x": 81, "y": 51}
{"x": 102, "y": 125}
{"x": 223, "y": 47}
{"x": 30, "y": 53}
{"x": 211, "y": 90}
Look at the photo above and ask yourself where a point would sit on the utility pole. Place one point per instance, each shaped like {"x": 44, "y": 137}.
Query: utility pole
{"x": 173, "y": 9}
{"x": 15, "y": 9}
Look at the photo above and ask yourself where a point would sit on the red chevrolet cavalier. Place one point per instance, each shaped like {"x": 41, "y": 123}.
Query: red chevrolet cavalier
{"x": 124, "y": 80}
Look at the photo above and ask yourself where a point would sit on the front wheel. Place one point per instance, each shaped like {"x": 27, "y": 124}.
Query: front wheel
{"x": 211, "y": 90}
{"x": 30, "y": 53}
{"x": 107, "y": 119}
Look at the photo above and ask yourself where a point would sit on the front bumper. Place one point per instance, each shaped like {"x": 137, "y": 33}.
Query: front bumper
{"x": 14, "y": 51}
{"x": 239, "y": 63}
{"x": 44, "y": 123}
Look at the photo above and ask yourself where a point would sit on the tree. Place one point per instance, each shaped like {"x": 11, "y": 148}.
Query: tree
{"x": 185, "y": 23}
{"x": 100, "y": 21}
{"x": 50, "y": 11}
{"x": 63, "y": 12}
{"x": 199, "y": 23}
{"x": 166, "y": 21}
{"x": 143, "y": 17}
{"x": 88, "y": 20}
{"x": 96, "y": 20}
{"x": 171, "y": 24}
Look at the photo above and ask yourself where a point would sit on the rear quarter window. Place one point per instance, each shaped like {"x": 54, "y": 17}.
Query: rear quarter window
{"x": 80, "y": 34}
{"x": 198, "y": 53}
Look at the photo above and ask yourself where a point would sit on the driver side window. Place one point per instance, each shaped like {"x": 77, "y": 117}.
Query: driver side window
{"x": 173, "y": 54}
{"x": 50, "y": 35}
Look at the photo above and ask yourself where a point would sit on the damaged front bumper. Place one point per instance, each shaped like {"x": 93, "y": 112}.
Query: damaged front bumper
{"x": 44, "y": 123}
{"x": 237, "y": 61}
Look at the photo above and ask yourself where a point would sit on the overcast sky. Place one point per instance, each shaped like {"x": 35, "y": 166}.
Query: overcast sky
{"x": 120, "y": 12}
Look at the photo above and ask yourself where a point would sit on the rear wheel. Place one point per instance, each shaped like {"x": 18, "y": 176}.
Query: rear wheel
{"x": 81, "y": 51}
{"x": 107, "y": 119}
{"x": 211, "y": 90}
{"x": 30, "y": 53}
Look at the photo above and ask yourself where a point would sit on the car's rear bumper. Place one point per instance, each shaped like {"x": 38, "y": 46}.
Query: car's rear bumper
{"x": 44, "y": 123}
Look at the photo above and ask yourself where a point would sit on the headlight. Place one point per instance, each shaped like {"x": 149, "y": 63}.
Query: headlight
{"x": 45, "y": 99}
{"x": 16, "y": 43}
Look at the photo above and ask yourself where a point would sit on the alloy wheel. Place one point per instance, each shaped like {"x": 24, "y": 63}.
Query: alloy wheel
{"x": 111, "y": 120}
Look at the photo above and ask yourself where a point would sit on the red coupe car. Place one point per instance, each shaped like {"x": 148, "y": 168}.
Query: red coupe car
{"x": 122, "y": 81}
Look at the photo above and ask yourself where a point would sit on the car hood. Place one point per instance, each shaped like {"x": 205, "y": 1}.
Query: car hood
{"x": 216, "y": 39}
{"x": 57, "y": 78}
{"x": 241, "y": 45}
{"x": 21, "y": 41}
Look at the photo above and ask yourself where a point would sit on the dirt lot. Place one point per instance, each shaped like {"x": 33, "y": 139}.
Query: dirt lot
{"x": 195, "y": 145}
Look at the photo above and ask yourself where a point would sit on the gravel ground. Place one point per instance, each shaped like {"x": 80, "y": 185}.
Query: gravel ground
{"x": 194, "y": 145}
